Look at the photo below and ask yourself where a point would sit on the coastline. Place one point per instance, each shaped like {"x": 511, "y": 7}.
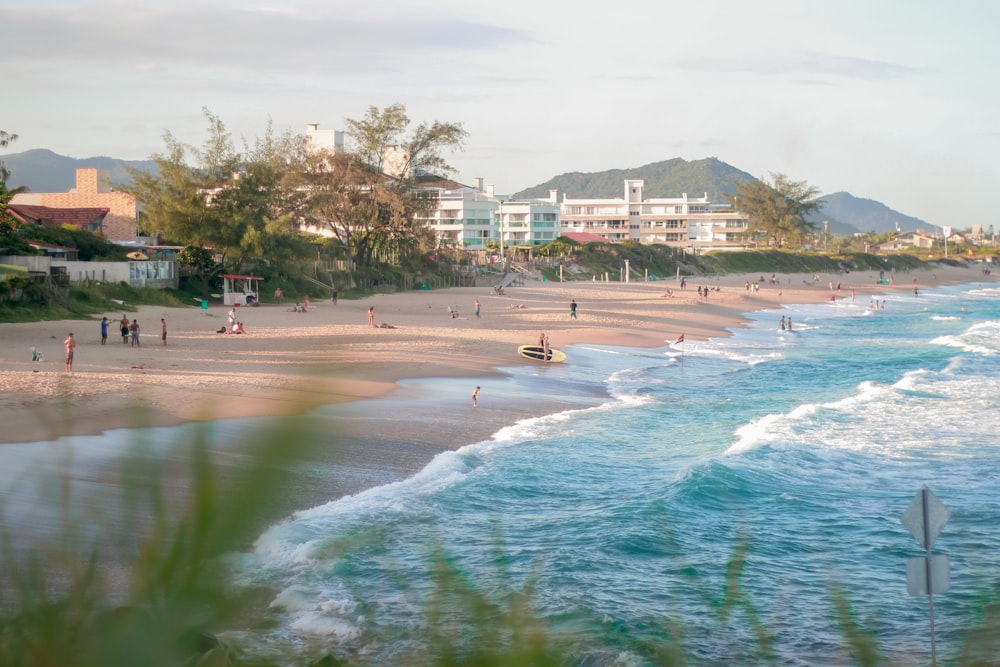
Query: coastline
{"x": 290, "y": 363}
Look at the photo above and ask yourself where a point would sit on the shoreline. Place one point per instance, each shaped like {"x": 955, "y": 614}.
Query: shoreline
{"x": 290, "y": 363}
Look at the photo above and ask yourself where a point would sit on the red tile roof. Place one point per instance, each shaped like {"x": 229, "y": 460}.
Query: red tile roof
{"x": 584, "y": 238}
{"x": 85, "y": 218}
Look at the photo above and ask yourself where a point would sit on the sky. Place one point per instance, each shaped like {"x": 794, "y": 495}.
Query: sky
{"x": 895, "y": 101}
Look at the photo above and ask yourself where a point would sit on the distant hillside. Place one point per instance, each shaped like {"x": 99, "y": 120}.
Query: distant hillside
{"x": 41, "y": 170}
{"x": 846, "y": 213}
{"x": 843, "y": 209}
{"x": 670, "y": 178}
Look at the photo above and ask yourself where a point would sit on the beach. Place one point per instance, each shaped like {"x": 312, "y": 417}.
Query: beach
{"x": 289, "y": 362}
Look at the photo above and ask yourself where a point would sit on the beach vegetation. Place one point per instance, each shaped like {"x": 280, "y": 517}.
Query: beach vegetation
{"x": 582, "y": 262}
{"x": 90, "y": 246}
{"x": 778, "y": 209}
{"x": 27, "y": 299}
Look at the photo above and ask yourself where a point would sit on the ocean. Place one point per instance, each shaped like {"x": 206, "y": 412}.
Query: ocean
{"x": 789, "y": 456}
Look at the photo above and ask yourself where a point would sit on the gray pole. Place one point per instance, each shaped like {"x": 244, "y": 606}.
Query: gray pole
{"x": 930, "y": 590}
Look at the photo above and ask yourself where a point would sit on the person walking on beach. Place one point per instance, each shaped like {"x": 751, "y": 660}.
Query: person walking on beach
{"x": 134, "y": 330}
{"x": 70, "y": 344}
{"x": 572, "y": 309}
{"x": 477, "y": 307}
{"x": 277, "y": 295}
{"x": 124, "y": 328}
{"x": 371, "y": 316}
{"x": 475, "y": 397}
{"x": 163, "y": 334}
{"x": 104, "y": 330}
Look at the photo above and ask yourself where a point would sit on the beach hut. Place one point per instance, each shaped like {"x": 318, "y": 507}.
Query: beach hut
{"x": 240, "y": 290}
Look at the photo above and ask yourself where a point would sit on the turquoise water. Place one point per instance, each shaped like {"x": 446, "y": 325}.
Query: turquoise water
{"x": 809, "y": 445}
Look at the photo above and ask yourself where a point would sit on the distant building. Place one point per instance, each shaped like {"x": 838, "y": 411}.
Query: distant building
{"x": 317, "y": 140}
{"x": 472, "y": 217}
{"x": 92, "y": 192}
{"x": 906, "y": 240}
{"x": 680, "y": 221}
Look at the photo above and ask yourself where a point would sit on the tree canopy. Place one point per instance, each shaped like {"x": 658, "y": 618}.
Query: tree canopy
{"x": 777, "y": 208}
{"x": 366, "y": 196}
{"x": 239, "y": 203}
{"x": 10, "y": 240}
{"x": 245, "y": 204}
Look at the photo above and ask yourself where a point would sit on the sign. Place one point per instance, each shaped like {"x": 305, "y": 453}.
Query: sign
{"x": 927, "y": 575}
{"x": 925, "y": 526}
{"x": 917, "y": 575}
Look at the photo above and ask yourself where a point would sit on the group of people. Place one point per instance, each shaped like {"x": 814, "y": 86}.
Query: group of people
{"x": 129, "y": 330}
{"x": 234, "y": 327}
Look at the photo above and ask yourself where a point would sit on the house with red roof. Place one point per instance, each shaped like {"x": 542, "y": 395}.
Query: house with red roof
{"x": 93, "y": 192}
{"x": 87, "y": 219}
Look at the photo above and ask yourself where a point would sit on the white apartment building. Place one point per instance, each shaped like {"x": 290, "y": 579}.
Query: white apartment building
{"x": 323, "y": 140}
{"x": 681, "y": 221}
{"x": 465, "y": 218}
{"x": 472, "y": 218}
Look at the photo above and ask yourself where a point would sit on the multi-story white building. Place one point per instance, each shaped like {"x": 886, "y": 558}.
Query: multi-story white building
{"x": 317, "y": 140}
{"x": 473, "y": 218}
{"x": 464, "y": 218}
{"x": 681, "y": 221}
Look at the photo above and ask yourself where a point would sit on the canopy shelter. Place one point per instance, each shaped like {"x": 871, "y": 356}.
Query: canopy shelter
{"x": 240, "y": 290}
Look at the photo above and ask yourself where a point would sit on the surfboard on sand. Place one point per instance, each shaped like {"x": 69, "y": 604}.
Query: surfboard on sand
{"x": 536, "y": 353}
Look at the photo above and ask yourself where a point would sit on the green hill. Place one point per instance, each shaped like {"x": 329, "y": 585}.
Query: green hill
{"x": 669, "y": 178}
{"x": 842, "y": 209}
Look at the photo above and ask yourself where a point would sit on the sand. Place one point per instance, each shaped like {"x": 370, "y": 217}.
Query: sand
{"x": 289, "y": 362}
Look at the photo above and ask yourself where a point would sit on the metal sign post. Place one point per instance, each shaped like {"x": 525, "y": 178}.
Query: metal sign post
{"x": 924, "y": 518}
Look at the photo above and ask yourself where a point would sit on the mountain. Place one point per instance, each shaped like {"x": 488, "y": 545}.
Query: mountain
{"x": 846, "y": 213}
{"x": 842, "y": 209}
{"x": 670, "y": 178}
{"x": 41, "y": 170}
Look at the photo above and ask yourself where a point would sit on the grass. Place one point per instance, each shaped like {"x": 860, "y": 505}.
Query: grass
{"x": 88, "y": 303}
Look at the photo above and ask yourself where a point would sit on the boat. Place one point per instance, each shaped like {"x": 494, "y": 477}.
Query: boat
{"x": 537, "y": 353}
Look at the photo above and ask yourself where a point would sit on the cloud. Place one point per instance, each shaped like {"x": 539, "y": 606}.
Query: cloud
{"x": 808, "y": 64}
{"x": 299, "y": 39}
